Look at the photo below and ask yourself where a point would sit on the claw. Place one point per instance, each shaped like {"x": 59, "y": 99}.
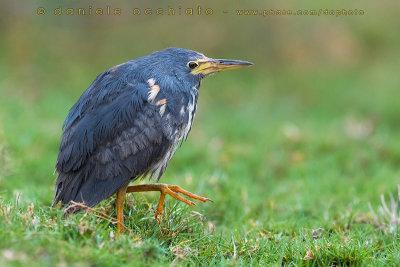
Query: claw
{"x": 171, "y": 190}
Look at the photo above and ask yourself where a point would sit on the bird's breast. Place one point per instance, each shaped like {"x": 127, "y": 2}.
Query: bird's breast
{"x": 178, "y": 124}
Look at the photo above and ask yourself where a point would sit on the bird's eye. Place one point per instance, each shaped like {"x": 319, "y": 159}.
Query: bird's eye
{"x": 192, "y": 65}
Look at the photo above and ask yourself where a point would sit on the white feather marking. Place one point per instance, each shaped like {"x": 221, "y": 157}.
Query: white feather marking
{"x": 151, "y": 82}
{"x": 190, "y": 109}
{"x": 162, "y": 109}
{"x": 153, "y": 91}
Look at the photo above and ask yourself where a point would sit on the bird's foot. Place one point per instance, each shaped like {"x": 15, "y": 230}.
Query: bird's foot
{"x": 165, "y": 189}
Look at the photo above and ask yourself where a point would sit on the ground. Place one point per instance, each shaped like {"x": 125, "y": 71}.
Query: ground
{"x": 296, "y": 168}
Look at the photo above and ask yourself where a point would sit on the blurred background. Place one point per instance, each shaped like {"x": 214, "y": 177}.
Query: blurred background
{"x": 310, "y": 131}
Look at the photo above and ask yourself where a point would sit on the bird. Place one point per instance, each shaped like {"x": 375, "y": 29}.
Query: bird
{"x": 127, "y": 125}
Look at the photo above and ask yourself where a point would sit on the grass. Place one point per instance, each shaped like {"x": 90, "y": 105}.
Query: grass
{"x": 292, "y": 164}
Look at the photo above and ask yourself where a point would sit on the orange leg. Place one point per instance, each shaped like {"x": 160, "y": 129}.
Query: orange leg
{"x": 172, "y": 190}
{"x": 119, "y": 202}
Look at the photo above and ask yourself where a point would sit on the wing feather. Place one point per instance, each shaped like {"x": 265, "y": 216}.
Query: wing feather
{"x": 110, "y": 136}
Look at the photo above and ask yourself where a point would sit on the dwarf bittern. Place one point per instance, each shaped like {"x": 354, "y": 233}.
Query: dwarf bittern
{"x": 128, "y": 124}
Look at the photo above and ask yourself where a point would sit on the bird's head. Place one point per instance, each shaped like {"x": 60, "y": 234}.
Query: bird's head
{"x": 187, "y": 66}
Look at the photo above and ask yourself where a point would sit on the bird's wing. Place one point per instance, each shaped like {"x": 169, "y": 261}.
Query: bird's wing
{"x": 113, "y": 107}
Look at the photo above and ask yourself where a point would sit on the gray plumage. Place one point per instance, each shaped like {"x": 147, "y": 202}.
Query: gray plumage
{"x": 126, "y": 125}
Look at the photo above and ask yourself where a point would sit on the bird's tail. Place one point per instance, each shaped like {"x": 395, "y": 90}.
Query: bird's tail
{"x": 67, "y": 186}
{"x": 86, "y": 190}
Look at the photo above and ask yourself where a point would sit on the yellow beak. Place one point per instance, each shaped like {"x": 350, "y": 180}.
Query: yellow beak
{"x": 210, "y": 66}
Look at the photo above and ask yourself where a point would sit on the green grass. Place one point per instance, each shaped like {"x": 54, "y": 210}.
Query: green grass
{"x": 291, "y": 165}
{"x": 295, "y": 151}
